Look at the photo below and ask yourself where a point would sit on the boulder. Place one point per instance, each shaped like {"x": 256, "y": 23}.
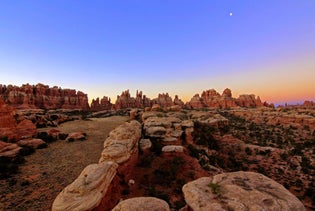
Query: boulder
{"x": 156, "y": 107}
{"x": 145, "y": 144}
{"x": 133, "y": 114}
{"x": 88, "y": 190}
{"x": 9, "y": 149}
{"x": 142, "y": 204}
{"x": 122, "y": 142}
{"x": 26, "y": 129}
{"x": 173, "y": 148}
{"x": 239, "y": 191}
{"x": 76, "y": 136}
{"x": 33, "y": 143}
{"x": 155, "y": 132}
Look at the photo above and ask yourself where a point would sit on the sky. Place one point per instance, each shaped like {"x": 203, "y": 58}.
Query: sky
{"x": 263, "y": 47}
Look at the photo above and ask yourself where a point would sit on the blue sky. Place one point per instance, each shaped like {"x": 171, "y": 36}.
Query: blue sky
{"x": 181, "y": 47}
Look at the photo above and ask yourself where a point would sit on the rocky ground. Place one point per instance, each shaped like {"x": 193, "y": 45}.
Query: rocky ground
{"x": 47, "y": 171}
{"x": 175, "y": 148}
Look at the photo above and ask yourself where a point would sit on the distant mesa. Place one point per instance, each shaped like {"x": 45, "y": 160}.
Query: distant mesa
{"x": 45, "y": 97}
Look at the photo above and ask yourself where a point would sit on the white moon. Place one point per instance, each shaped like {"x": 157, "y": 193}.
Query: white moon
{"x": 231, "y": 14}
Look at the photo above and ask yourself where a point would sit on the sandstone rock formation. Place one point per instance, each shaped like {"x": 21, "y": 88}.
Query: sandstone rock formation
{"x": 308, "y": 103}
{"x": 178, "y": 101}
{"x": 76, "y": 136}
{"x": 212, "y": 99}
{"x": 142, "y": 203}
{"x": 104, "y": 104}
{"x": 9, "y": 150}
{"x": 88, "y": 190}
{"x": 164, "y": 100}
{"x": 10, "y": 128}
{"x": 126, "y": 101}
{"x": 122, "y": 143}
{"x": 42, "y": 96}
{"x": 239, "y": 191}
{"x": 33, "y": 143}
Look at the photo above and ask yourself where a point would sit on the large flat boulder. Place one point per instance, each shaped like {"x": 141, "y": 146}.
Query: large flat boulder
{"x": 88, "y": 190}
{"x": 239, "y": 191}
{"x": 142, "y": 204}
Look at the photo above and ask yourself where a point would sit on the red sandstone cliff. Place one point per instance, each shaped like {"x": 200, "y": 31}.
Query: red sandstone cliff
{"x": 43, "y": 96}
{"x": 11, "y": 128}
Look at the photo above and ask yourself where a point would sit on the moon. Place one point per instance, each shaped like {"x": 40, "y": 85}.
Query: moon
{"x": 231, "y": 13}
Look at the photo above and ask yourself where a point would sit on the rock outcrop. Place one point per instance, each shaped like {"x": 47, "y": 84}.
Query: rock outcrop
{"x": 99, "y": 184}
{"x": 33, "y": 143}
{"x": 164, "y": 100}
{"x": 88, "y": 190}
{"x": 104, "y": 104}
{"x": 9, "y": 150}
{"x": 122, "y": 143}
{"x": 239, "y": 191}
{"x": 212, "y": 99}
{"x": 44, "y": 97}
{"x": 142, "y": 203}
{"x": 308, "y": 103}
{"x": 12, "y": 128}
{"x": 126, "y": 101}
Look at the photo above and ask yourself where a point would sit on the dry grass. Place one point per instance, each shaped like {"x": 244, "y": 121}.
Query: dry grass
{"x": 48, "y": 171}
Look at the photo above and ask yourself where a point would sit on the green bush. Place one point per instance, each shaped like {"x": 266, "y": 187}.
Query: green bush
{"x": 215, "y": 188}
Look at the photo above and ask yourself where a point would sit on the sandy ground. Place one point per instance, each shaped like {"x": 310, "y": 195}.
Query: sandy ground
{"x": 46, "y": 172}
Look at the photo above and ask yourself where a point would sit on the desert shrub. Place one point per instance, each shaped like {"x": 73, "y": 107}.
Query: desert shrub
{"x": 63, "y": 136}
{"x": 4, "y": 139}
{"x": 71, "y": 140}
{"x": 125, "y": 191}
{"x": 191, "y": 174}
{"x": 284, "y": 156}
{"x": 25, "y": 183}
{"x": 156, "y": 146}
{"x": 7, "y": 167}
{"x": 160, "y": 115}
{"x": 42, "y": 146}
{"x": 234, "y": 164}
{"x": 310, "y": 192}
{"x": 46, "y": 137}
{"x": 176, "y": 163}
{"x": 215, "y": 188}
{"x": 179, "y": 204}
{"x": 26, "y": 150}
{"x": 146, "y": 161}
{"x": 193, "y": 152}
{"x": 203, "y": 135}
{"x": 224, "y": 129}
{"x": 248, "y": 151}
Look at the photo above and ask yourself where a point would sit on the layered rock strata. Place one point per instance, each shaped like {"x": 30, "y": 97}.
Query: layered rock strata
{"x": 97, "y": 185}
{"x": 13, "y": 128}
{"x": 88, "y": 190}
{"x": 44, "y": 97}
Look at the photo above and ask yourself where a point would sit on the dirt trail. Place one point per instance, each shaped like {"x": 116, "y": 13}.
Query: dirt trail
{"x": 47, "y": 171}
